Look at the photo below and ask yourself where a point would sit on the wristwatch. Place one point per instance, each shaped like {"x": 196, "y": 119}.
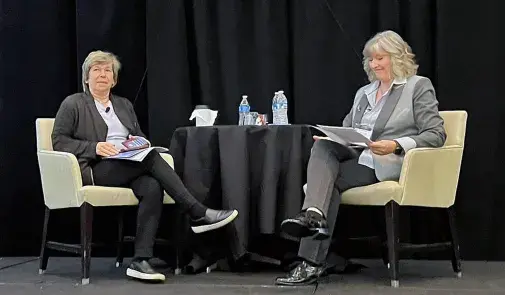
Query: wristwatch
{"x": 398, "y": 150}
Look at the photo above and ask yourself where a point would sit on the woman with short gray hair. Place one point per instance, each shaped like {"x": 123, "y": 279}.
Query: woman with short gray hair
{"x": 100, "y": 57}
{"x": 397, "y": 111}
{"x": 93, "y": 125}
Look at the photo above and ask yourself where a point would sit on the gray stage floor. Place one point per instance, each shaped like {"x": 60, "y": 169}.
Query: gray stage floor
{"x": 417, "y": 277}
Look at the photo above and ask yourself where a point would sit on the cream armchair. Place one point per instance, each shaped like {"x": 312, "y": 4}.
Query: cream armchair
{"x": 62, "y": 188}
{"x": 429, "y": 178}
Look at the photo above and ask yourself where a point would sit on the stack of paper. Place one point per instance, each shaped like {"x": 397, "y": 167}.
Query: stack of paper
{"x": 344, "y": 135}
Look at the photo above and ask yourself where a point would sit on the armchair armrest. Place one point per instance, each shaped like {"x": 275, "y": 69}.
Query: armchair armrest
{"x": 61, "y": 179}
{"x": 168, "y": 158}
{"x": 429, "y": 176}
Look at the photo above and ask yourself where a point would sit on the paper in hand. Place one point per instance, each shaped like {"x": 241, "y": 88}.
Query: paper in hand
{"x": 344, "y": 135}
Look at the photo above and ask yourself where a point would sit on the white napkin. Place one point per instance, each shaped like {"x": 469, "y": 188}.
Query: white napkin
{"x": 204, "y": 117}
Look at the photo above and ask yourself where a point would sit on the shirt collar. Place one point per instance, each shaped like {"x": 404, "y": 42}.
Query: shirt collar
{"x": 372, "y": 87}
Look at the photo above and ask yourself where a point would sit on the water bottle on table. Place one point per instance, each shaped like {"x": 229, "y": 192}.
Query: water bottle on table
{"x": 243, "y": 110}
{"x": 280, "y": 109}
{"x": 275, "y": 108}
{"x": 283, "y": 109}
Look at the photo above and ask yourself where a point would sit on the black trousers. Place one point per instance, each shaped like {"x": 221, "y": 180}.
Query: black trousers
{"x": 332, "y": 169}
{"x": 147, "y": 179}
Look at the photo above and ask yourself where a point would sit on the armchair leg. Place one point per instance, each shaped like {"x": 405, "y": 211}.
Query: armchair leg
{"x": 384, "y": 255}
{"x": 120, "y": 242}
{"x": 179, "y": 239}
{"x": 392, "y": 221}
{"x": 456, "y": 256}
{"x": 44, "y": 252}
{"x": 86, "y": 237}
{"x": 384, "y": 247}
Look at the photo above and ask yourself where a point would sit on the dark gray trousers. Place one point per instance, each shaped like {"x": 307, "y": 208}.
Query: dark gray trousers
{"x": 332, "y": 170}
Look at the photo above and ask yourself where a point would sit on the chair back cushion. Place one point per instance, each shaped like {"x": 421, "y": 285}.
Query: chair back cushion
{"x": 44, "y": 129}
{"x": 455, "y": 127}
{"x": 430, "y": 176}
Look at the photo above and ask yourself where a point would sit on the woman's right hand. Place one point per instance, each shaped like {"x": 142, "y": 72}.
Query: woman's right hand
{"x": 320, "y": 137}
{"x": 106, "y": 149}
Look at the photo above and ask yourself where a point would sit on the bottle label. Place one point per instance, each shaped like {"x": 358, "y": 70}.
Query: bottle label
{"x": 243, "y": 108}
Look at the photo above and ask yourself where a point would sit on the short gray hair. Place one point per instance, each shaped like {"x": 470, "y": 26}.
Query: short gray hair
{"x": 99, "y": 57}
{"x": 403, "y": 64}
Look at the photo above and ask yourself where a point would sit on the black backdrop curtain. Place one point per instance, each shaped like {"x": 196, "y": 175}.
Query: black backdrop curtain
{"x": 43, "y": 44}
{"x": 211, "y": 52}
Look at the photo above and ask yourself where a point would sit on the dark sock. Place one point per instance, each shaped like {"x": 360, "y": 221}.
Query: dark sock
{"x": 139, "y": 259}
{"x": 197, "y": 210}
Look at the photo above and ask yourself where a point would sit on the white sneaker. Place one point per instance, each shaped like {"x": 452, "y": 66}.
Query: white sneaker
{"x": 142, "y": 270}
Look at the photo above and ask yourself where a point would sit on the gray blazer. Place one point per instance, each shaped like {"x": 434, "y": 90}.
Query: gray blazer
{"x": 410, "y": 116}
{"x": 78, "y": 127}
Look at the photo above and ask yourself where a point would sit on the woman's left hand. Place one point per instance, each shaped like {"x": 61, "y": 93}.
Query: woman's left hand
{"x": 382, "y": 147}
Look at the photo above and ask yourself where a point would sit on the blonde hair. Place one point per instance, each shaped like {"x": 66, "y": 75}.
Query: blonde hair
{"x": 99, "y": 57}
{"x": 403, "y": 64}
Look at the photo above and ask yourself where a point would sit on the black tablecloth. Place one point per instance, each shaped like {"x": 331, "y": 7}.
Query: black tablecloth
{"x": 258, "y": 170}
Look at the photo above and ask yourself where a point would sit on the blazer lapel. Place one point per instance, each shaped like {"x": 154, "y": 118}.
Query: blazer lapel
{"x": 99, "y": 124}
{"x": 360, "y": 110}
{"x": 387, "y": 110}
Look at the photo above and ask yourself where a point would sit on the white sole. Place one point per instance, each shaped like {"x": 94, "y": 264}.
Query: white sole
{"x": 209, "y": 227}
{"x": 144, "y": 276}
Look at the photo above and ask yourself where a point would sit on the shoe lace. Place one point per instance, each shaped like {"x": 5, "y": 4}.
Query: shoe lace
{"x": 312, "y": 220}
{"x": 315, "y": 287}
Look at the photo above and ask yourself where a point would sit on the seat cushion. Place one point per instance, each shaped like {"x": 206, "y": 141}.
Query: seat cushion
{"x": 100, "y": 196}
{"x": 377, "y": 194}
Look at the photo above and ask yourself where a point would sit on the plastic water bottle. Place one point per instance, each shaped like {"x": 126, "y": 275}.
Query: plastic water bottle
{"x": 275, "y": 109}
{"x": 282, "y": 110}
{"x": 243, "y": 109}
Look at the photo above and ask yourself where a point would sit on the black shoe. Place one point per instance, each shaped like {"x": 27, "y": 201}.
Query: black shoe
{"x": 306, "y": 224}
{"x": 213, "y": 219}
{"x": 142, "y": 270}
{"x": 303, "y": 274}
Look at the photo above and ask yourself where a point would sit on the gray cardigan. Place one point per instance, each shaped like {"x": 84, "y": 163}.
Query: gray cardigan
{"x": 78, "y": 127}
